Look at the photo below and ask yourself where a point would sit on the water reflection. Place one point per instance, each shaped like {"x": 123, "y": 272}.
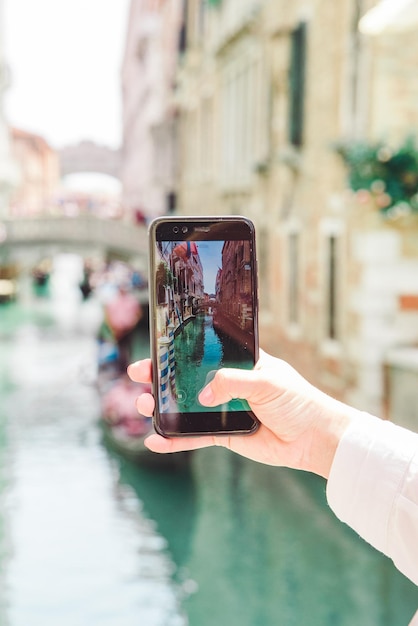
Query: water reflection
{"x": 171, "y": 498}
{"x": 77, "y": 547}
{"x": 267, "y": 551}
{"x": 200, "y": 349}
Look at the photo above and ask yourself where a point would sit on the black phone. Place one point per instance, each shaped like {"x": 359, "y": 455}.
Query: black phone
{"x": 203, "y": 316}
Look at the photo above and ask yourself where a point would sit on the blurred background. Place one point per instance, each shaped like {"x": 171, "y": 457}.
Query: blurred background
{"x": 301, "y": 116}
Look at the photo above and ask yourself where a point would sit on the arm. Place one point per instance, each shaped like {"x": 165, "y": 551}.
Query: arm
{"x": 373, "y": 487}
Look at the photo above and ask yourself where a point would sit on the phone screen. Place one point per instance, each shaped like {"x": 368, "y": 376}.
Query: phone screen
{"x": 204, "y": 318}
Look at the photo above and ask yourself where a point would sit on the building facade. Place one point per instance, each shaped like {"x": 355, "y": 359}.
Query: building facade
{"x": 234, "y": 285}
{"x": 149, "y": 147}
{"x": 180, "y": 288}
{"x": 264, "y": 93}
{"x": 39, "y": 175}
{"x": 8, "y": 171}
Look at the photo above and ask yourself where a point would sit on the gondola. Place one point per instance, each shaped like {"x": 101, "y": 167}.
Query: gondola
{"x": 124, "y": 430}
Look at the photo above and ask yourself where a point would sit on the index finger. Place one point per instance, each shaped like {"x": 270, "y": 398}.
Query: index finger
{"x": 141, "y": 371}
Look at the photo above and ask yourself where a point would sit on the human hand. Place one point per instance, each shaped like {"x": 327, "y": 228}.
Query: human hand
{"x": 300, "y": 425}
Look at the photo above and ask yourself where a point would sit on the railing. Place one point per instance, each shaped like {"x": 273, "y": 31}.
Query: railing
{"x": 115, "y": 235}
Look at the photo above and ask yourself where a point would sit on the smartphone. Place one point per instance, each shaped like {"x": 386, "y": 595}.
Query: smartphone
{"x": 203, "y": 316}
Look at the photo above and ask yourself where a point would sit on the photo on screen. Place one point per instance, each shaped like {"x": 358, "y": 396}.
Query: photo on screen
{"x": 204, "y": 318}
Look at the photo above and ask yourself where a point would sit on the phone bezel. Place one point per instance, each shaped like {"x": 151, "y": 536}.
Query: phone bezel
{"x": 200, "y": 228}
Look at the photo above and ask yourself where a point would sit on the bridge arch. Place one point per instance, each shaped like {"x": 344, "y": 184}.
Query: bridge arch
{"x": 92, "y": 183}
{"x": 87, "y": 156}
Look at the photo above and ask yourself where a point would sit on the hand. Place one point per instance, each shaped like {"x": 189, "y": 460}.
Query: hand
{"x": 300, "y": 425}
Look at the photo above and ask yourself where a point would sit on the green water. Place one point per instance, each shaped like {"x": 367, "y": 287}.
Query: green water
{"x": 268, "y": 551}
{"x": 87, "y": 538}
{"x": 199, "y": 351}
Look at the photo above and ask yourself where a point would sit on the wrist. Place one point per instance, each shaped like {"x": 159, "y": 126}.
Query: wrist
{"x": 329, "y": 430}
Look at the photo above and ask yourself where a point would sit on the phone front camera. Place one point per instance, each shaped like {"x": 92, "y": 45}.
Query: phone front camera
{"x": 184, "y": 229}
{"x": 175, "y": 229}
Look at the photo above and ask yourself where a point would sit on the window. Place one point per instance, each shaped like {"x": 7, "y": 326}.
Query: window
{"x": 293, "y": 274}
{"x": 191, "y": 124}
{"x": 171, "y": 202}
{"x": 244, "y": 132}
{"x": 183, "y": 30}
{"x": 357, "y": 87}
{"x": 297, "y": 84}
{"x": 207, "y": 138}
{"x": 332, "y": 332}
{"x": 332, "y": 245}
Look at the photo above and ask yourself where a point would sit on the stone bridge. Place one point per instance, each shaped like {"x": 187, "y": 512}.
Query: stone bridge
{"x": 115, "y": 236}
{"x": 88, "y": 156}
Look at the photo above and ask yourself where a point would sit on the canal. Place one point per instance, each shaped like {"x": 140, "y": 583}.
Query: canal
{"x": 199, "y": 350}
{"x": 87, "y": 538}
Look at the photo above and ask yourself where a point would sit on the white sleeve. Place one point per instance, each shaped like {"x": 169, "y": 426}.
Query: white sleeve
{"x": 373, "y": 487}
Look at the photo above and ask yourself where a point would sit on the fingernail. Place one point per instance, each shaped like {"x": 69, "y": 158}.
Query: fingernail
{"x": 206, "y": 396}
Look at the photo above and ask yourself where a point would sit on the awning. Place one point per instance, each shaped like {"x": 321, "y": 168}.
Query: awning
{"x": 390, "y": 16}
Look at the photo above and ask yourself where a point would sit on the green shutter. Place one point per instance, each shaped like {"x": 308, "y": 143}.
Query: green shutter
{"x": 297, "y": 84}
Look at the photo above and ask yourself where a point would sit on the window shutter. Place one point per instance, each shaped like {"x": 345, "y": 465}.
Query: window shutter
{"x": 297, "y": 84}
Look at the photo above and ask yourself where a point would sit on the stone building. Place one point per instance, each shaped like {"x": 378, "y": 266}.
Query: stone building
{"x": 234, "y": 286}
{"x": 265, "y": 91}
{"x": 180, "y": 288}
{"x": 8, "y": 171}
{"x": 39, "y": 174}
{"x": 149, "y": 158}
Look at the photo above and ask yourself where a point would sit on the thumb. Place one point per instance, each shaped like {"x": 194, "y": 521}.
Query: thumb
{"x": 228, "y": 384}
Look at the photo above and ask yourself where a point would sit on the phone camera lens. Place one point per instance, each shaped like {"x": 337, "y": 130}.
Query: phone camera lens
{"x": 175, "y": 229}
{"x": 184, "y": 229}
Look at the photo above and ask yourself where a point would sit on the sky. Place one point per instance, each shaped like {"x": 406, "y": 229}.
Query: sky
{"x": 65, "y": 59}
{"x": 210, "y": 253}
